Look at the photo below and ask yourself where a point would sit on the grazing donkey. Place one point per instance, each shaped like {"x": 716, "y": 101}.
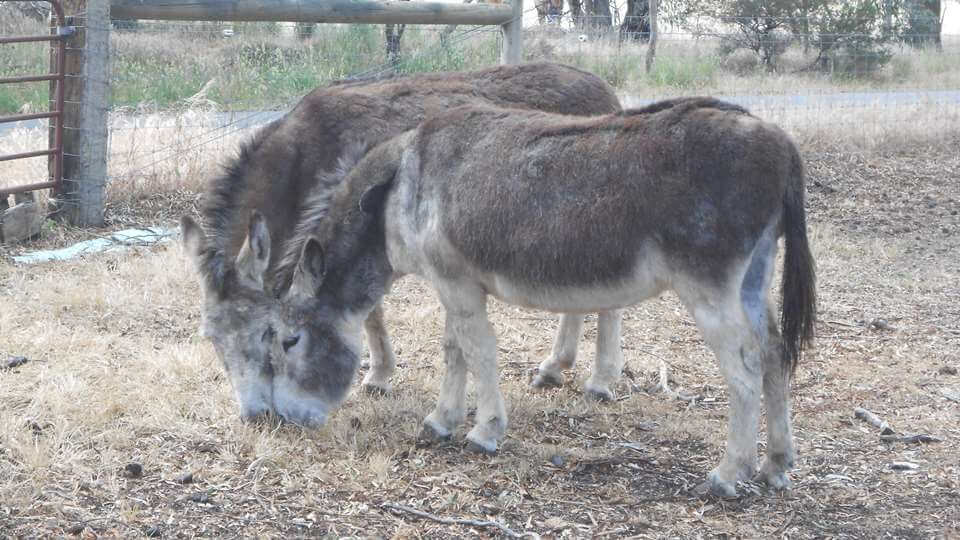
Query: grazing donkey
{"x": 570, "y": 215}
{"x": 288, "y": 158}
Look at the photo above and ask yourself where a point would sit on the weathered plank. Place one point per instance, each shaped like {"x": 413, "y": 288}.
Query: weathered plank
{"x": 318, "y": 11}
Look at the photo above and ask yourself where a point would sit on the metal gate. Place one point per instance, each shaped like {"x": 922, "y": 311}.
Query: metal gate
{"x": 55, "y": 115}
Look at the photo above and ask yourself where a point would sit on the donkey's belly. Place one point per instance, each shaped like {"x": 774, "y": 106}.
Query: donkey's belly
{"x": 648, "y": 278}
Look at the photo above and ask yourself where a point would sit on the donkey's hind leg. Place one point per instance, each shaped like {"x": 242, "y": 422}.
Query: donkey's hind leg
{"x": 609, "y": 360}
{"x": 382, "y": 360}
{"x": 740, "y": 357}
{"x": 776, "y": 395}
{"x": 564, "y": 353}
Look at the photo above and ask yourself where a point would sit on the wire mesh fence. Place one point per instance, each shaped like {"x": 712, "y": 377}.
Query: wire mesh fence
{"x": 183, "y": 94}
{"x": 862, "y": 86}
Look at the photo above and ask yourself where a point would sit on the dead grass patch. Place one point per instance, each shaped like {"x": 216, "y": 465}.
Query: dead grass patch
{"x": 118, "y": 375}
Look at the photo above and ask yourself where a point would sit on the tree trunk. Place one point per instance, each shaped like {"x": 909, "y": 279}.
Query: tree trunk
{"x": 652, "y": 50}
{"x": 392, "y": 34}
{"x": 576, "y": 13}
{"x": 636, "y": 22}
{"x": 599, "y": 14}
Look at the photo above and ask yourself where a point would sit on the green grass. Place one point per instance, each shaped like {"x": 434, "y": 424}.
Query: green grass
{"x": 160, "y": 65}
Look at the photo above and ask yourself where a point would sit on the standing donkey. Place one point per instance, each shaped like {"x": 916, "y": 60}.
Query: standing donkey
{"x": 571, "y": 215}
{"x": 297, "y": 154}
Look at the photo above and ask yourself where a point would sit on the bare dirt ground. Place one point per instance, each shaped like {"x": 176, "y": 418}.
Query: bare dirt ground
{"x": 121, "y": 422}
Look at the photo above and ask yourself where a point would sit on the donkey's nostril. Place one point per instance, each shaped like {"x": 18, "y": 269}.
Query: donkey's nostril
{"x": 290, "y": 342}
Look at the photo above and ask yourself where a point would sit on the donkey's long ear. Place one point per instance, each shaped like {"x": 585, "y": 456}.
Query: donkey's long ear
{"x": 372, "y": 199}
{"x": 254, "y": 256}
{"x": 208, "y": 262}
{"x": 308, "y": 275}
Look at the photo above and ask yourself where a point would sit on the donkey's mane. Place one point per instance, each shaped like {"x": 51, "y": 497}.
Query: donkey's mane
{"x": 313, "y": 211}
{"x": 221, "y": 201}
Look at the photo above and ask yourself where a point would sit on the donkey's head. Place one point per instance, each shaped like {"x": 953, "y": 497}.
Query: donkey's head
{"x": 318, "y": 346}
{"x": 239, "y": 317}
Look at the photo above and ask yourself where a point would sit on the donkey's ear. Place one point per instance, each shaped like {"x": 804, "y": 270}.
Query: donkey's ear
{"x": 308, "y": 275}
{"x": 192, "y": 236}
{"x": 254, "y": 256}
{"x": 207, "y": 261}
{"x": 372, "y": 199}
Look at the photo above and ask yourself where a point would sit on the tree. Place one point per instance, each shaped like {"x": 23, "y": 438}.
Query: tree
{"x": 598, "y": 12}
{"x": 853, "y": 36}
{"x": 392, "y": 34}
{"x": 636, "y": 22}
{"x": 923, "y": 23}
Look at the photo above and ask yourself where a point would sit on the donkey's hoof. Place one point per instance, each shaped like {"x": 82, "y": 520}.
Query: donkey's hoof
{"x": 716, "y": 487}
{"x": 545, "y": 379}
{"x": 377, "y": 389}
{"x": 601, "y": 395}
{"x": 481, "y": 447}
{"x": 708, "y": 489}
{"x": 777, "y": 480}
{"x": 431, "y": 435}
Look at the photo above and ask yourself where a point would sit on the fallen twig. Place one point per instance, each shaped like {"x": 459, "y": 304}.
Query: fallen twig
{"x": 874, "y": 420}
{"x": 397, "y": 508}
{"x": 918, "y": 438}
{"x": 838, "y": 323}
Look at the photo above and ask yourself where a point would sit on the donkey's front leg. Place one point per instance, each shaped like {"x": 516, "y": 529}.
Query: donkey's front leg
{"x": 382, "y": 360}
{"x": 468, "y": 325}
{"x": 451, "y": 409}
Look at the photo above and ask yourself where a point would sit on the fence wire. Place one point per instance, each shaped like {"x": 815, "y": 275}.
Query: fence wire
{"x": 184, "y": 93}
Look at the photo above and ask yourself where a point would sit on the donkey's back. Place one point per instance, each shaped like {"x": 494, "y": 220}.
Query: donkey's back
{"x": 284, "y": 162}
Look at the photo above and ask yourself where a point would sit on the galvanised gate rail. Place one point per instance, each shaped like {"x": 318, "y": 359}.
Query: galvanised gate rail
{"x": 56, "y": 115}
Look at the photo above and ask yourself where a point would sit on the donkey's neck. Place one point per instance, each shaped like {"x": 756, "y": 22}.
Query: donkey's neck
{"x": 358, "y": 272}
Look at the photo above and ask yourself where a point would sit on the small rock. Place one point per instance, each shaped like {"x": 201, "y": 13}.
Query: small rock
{"x": 199, "y": 497}
{"x": 14, "y": 362}
{"x": 880, "y": 324}
{"x": 556, "y": 460}
{"x": 153, "y": 531}
{"x": 185, "y": 478}
{"x": 948, "y": 370}
{"x": 904, "y": 466}
{"x": 133, "y": 470}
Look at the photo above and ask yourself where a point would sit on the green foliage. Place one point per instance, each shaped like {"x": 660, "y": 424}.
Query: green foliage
{"x": 22, "y": 59}
{"x": 683, "y": 72}
{"x": 921, "y": 22}
{"x": 852, "y": 38}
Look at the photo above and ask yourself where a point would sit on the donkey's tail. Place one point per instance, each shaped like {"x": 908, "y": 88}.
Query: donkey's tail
{"x": 798, "y": 291}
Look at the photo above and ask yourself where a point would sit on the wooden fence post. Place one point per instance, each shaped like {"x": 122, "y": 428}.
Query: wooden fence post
{"x": 80, "y": 199}
{"x": 654, "y": 35}
{"x": 512, "y": 52}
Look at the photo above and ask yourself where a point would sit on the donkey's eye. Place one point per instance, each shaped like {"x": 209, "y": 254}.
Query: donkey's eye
{"x": 268, "y": 335}
{"x": 290, "y": 342}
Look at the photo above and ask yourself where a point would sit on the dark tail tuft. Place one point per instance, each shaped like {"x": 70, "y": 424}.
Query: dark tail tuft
{"x": 798, "y": 291}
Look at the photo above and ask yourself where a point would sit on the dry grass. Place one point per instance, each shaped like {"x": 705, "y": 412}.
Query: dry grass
{"x": 118, "y": 375}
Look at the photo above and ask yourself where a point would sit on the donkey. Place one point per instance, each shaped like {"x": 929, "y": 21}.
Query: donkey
{"x": 289, "y": 158}
{"x": 572, "y": 215}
